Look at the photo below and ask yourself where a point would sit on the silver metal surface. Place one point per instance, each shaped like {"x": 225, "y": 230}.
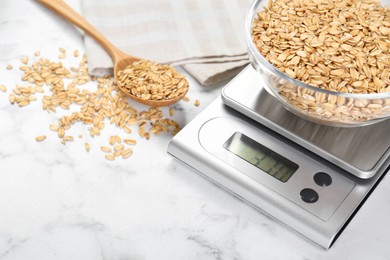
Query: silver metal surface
{"x": 197, "y": 146}
{"x": 214, "y": 133}
{"x": 360, "y": 150}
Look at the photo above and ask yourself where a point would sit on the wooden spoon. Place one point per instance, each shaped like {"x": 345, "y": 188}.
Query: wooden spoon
{"x": 120, "y": 59}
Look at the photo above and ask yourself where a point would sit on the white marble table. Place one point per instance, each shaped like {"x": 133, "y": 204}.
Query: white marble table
{"x": 58, "y": 202}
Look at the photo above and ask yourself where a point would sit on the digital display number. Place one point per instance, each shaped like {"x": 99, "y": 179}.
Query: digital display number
{"x": 260, "y": 156}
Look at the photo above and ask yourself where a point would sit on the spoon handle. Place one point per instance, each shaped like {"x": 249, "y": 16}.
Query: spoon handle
{"x": 64, "y": 10}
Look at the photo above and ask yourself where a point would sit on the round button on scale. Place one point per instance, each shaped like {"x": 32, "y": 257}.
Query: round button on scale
{"x": 309, "y": 195}
{"x": 322, "y": 179}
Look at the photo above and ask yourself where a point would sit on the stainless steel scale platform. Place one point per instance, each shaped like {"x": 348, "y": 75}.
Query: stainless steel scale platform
{"x": 311, "y": 177}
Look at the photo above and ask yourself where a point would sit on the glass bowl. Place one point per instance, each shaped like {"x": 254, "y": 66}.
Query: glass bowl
{"x": 313, "y": 103}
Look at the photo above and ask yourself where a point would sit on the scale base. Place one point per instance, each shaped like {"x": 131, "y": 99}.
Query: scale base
{"x": 190, "y": 146}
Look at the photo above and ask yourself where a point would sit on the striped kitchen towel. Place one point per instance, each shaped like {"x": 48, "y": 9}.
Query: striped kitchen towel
{"x": 206, "y": 37}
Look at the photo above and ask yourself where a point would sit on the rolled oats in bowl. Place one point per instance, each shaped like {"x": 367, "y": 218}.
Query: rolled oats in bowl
{"x": 327, "y": 61}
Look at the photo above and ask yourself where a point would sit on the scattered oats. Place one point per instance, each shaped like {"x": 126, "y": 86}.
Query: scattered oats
{"x": 196, "y": 103}
{"x": 186, "y": 99}
{"x": 24, "y": 60}
{"x": 87, "y": 147}
{"x": 80, "y": 136}
{"x": 62, "y": 50}
{"x": 62, "y": 56}
{"x": 3, "y": 88}
{"x": 40, "y": 138}
{"x": 110, "y": 157}
{"x": 111, "y": 140}
{"x": 12, "y": 99}
{"x": 118, "y": 153}
{"x": 132, "y": 121}
{"x": 171, "y": 111}
{"x": 53, "y": 127}
{"x": 9, "y": 67}
{"x": 76, "y": 53}
{"x": 32, "y": 98}
{"x": 118, "y": 139}
{"x": 119, "y": 147}
{"x": 141, "y": 131}
{"x": 24, "y": 103}
{"x": 130, "y": 141}
{"x": 95, "y": 107}
{"x": 68, "y": 138}
{"x": 61, "y": 132}
{"x": 127, "y": 130}
{"x": 106, "y": 149}
{"x": 37, "y": 53}
{"x": 127, "y": 153}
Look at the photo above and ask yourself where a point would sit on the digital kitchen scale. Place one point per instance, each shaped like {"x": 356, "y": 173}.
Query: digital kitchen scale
{"x": 311, "y": 177}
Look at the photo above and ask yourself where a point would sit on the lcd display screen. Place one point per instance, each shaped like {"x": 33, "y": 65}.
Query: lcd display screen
{"x": 260, "y": 156}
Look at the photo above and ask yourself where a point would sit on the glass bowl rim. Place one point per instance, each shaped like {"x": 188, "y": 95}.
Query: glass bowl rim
{"x": 252, "y": 12}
